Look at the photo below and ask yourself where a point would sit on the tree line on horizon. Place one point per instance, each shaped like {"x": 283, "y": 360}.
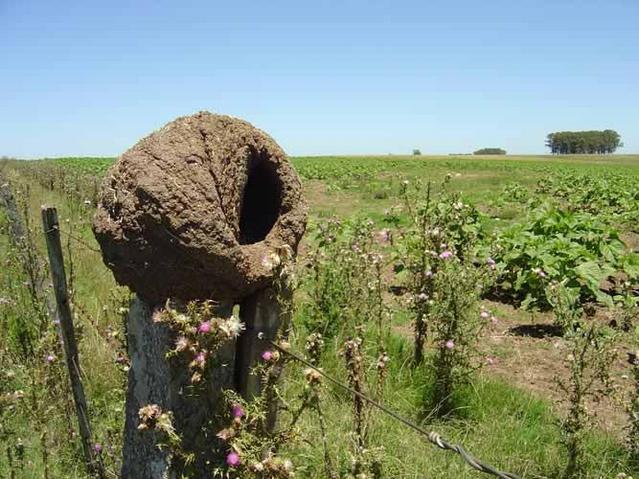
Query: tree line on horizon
{"x": 490, "y": 151}
{"x": 583, "y": 142}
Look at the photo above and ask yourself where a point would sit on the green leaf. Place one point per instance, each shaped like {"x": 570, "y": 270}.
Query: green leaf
{"x": 591, "y": 273}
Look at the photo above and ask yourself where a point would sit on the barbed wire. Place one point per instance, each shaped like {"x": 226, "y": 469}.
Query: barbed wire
{"x": 432, "y": 436}
{"x": 75, "y": 238}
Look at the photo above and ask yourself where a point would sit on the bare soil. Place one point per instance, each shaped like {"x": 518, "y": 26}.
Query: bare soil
{"x": 528, "y": 353}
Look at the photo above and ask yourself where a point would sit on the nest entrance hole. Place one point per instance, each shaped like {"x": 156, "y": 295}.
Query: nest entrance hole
{"x": 261, "y": 203}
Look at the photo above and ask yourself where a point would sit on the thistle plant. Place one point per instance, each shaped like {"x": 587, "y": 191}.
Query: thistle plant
{"x": 627, "y": 311}
{"x": 250, "y": 453}
{"x": 345, "y": 283}
{"x": 632, "y": 407}
{"x": 252, "y": 447}
{"x": 249, "y": 441}
{"x": 626, "y": 307}
{"x": 354, "y": 359}
{"x": 314, "y": 348}
{"x": 32, "y": 355}
{"x": 9, "y": 403}
{"x": 590, "y": 354}
{"x": 456, "y": 325}
{"x": 566, "y": 305}
{"x": 365, "y": 461}
{"x": 440, "y": 226}
{"x": 249, "y": 449}
{"x": 200, "y": 332}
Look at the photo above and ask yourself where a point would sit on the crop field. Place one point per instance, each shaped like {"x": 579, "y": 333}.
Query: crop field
{"x": 490, "y": 299}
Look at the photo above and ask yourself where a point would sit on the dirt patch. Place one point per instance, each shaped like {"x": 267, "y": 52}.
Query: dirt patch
{"x": 192, "y": 210}
{"x": 326, "y": 202}
{"x": 535, "y": 361}
{"x": 526, "y": 352}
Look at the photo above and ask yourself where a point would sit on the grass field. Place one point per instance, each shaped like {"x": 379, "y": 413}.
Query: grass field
{"x": 507, "y": 415}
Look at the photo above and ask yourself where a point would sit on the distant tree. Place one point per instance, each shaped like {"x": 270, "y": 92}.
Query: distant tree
{"x": 416, "y": 152}
{"x": 490, "y": 151}
{"x": 583, "y": 142}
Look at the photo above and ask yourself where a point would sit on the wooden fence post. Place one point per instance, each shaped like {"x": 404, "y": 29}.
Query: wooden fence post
{"x": 51, "y": 229}
{"x": 148, "y": 383}
{"x": 9, "y": 202}
{"x": 156, "y": 380}
{"x": 264, "y": 316}
{"x": 260, "y": 314}
{"x": 196, "y": 211}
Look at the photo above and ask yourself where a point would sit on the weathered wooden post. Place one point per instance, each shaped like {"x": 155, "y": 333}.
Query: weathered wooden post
{"x": 17, "y": 228}
{"x": 191, "y": 212}
{"x": 51, "y": 229}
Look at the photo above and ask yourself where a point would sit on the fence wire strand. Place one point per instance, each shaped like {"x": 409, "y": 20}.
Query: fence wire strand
{"x": 77, "y": 239}
{"x": 432, "y": 436}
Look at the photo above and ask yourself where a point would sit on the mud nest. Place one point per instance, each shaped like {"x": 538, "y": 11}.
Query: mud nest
{"x": 193, "y": 210}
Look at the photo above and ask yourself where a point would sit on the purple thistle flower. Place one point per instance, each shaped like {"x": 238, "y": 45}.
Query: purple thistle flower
{"x": 237, "y": 411}
{"x": 204, "y": 327}
{"x": 200, "y": 358}
{"x": 450, "y": 344}
{"x": 446, "y": 254}
{"x": 233, "y": 459}
{"x": 267, "y": 355}
{"x": 97, "y": 447}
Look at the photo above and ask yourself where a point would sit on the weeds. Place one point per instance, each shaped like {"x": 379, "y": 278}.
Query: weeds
{"x": 440, "y": 227}
{"x": 344, "y": 286}
{"x": 457, "y": 324}
{"x": 589, "y": 356}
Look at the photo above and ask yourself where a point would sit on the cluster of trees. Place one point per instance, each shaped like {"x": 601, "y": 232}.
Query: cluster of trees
{"x": 575, "y": 142}
{"x": 490, "y": 151}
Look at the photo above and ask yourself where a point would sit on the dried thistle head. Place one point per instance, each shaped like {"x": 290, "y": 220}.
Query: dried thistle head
{"x": 148, "y": 416}
{"x": 354, "y": 360}
{"x": 313, "y": 378}
{"x": 382, "y": 362}
{"x": 314, "y": 347}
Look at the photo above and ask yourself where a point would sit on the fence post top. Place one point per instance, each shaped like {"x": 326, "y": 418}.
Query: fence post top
{"x": 195, "y": 209}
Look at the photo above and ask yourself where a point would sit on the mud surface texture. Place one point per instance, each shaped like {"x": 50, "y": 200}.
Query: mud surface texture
{"x": 191, "y": 211}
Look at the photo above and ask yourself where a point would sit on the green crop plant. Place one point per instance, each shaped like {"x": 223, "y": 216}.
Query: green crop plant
{"x": 554, "y": 244}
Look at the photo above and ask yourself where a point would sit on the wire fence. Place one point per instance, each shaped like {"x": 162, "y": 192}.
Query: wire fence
{"x": 77, "y": 239}
{"x": 431, "y": 436}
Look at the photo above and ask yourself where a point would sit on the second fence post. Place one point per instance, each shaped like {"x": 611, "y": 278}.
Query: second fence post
{"x": 51, "y": 229}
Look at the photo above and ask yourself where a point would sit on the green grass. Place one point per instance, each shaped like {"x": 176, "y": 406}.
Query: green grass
{"x": 352, "y": 184}
{"x": 500, "y": 424}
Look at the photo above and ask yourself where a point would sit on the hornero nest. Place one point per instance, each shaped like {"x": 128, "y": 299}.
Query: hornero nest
{"x": 192, "y": 210}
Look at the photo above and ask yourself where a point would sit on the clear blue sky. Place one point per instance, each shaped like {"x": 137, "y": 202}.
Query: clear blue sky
{"x": 322, "y": 77}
